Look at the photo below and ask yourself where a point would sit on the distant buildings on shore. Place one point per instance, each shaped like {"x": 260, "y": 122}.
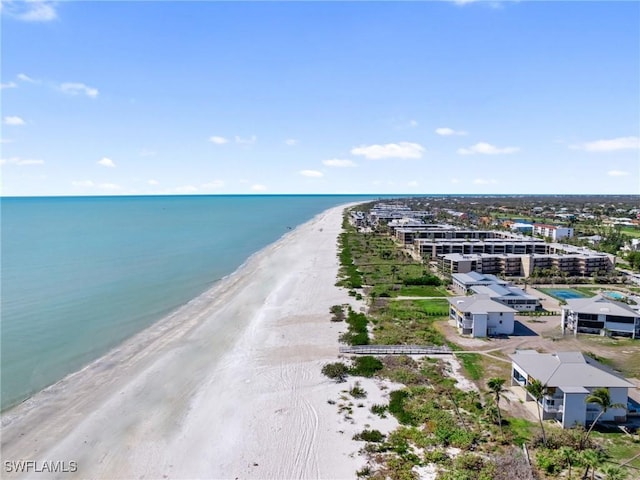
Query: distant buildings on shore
{"x": 505, "y": 253}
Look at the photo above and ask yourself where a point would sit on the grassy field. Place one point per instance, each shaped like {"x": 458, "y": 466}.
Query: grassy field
{"x": 631, "y": 231}
{"x": 619, "y": 447}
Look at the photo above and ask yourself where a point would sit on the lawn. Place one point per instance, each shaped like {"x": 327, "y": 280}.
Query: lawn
{"x": 422, "y": 291}
{"x": 619, "y": 446}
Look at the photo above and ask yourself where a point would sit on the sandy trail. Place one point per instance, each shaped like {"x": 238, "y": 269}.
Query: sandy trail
{"x": 229, "y": 386}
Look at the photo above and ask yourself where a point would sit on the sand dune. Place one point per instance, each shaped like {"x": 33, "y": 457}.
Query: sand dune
{"x": 229, "y": 386}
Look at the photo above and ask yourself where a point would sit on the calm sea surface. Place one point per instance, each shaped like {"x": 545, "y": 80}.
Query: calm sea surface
{"x": 82, "y": 274}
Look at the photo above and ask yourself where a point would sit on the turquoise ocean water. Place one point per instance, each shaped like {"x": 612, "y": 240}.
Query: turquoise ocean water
{"x": 82, "y": 274}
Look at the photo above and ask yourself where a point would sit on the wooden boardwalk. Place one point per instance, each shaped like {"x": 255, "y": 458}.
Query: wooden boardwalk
{"x": 397, "y": 350}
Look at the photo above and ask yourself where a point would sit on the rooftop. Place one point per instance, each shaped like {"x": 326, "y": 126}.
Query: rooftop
{"x": 478, "y": 304}
{"x": 600, "y": 305}
{"x": 567, "y": 370}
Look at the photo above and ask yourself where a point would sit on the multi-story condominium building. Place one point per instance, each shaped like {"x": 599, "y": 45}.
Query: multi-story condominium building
{"x": 432, "y": 248}
{"x": 512, "y": 265}
{"x": 569, "y": 378}
{"x": 480, "y": 316}
{"x": 552, "y": 231}
{"x": 599, "y": 314}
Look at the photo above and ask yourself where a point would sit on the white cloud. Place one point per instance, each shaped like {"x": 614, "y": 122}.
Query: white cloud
{"x": 258, "y": 187}
{"x": 83, "y": 183}
{"x": 26, "y": 78}
{"x": 106, "y": 162}
{"x": 455, "y": 180}
{"x": 340, "y": 163}
{"x": 21, "y": 162}
{"x": 617, "y": 173}
{"x": 413, "y": 183}
{"x": 291, "y": 142}
{"x": 484, "y": 181}
{"x": 311, "y": 173}
{"x": 153, "y": 182}
{"x": 8, "y": 85}
{"x": 610, "y": 145}
{"x": 487, "y": 149}
{"x": 446, "y": 132}
{"x": 14, "y": 121}
{"x": 30, "y": 10}
{"x": 413, "y": 123}
{"x": 215, "y": 184}
{"x": 390, "y": 150}
{"x": 218, "y": 140}
{"x": 76, "y": 88}
{"x": 245, "y": 141}
{"x": 5, "y": 140}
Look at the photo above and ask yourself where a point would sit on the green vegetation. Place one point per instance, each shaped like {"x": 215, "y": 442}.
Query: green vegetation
{"x": 433, "y": 413}
{"x": 357, "y": 391}
{"x": 336, "y": 371}
{"x": 352, "y": 278}
{"x": 365, "y": 366}
{"x": 369, "y": 436}
{"x": 337, "y": 313}
{"x": 471, "y": 362}
{"x": 357, "y": 334}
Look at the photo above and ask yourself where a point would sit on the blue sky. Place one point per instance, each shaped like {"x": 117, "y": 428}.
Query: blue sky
{"x": 164, "y": 97}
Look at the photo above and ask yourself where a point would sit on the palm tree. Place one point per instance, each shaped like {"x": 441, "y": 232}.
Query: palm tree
{"x": 569, "y": 455}
{"x": 601, "y": 397}
{"x": 613, "y": 472}
{"x": 592, "y": 458}
{"x": 496, "y": 386}
{"x": 537, "y": 390}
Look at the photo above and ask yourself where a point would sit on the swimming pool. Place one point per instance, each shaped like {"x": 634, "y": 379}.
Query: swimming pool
{"x": 563, "y": 293}
{"x": 614, "y": 295}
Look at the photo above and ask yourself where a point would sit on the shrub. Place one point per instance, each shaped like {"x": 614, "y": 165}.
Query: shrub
{"x": 397, "y": 407}
{"x": 357, "y": 391}
{"x": 336, "y": 371}
{"x": 338, "y": 313}
{"x": 366, "y": 366}
{"x": 369, "y": 436}
{"x": 379, "y": 410}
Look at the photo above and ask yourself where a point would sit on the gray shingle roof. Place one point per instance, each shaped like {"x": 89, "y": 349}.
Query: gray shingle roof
{"x": 478, "y": 304}
{"x": 600, "y": 305}
{"x": 566, "y": 369}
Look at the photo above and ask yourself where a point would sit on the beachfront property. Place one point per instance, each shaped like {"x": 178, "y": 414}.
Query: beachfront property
{"x": 554, "y": 232}
{"x": 569, "y": 378}
{"x": 480, "y": 316}
{"x": 509, "y": 295}
{"x": 496, "y": 289}
{"x": 462, "y": 282}
{"x": 600, "y": 315}
{"x": 582, "y": 263}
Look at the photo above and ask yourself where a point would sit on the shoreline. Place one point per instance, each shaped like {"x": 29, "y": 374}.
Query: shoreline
{"x": 200, "y": 394}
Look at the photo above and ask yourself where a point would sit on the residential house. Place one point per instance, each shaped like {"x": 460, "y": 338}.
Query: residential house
{"x": 599, "y": 315}
{"x": 569, "y": 378}
{"x": 480, "y": 316}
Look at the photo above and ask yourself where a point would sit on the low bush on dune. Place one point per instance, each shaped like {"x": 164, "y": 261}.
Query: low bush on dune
{"x": 369, "y": 436}
{"x": 366, "y": 366}
{"x": 337, "y": 371}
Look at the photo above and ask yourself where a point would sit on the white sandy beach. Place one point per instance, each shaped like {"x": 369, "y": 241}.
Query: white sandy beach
{"x": 227, "y": 387}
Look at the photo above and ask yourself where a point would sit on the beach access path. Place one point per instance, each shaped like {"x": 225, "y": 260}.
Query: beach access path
{"x": 229, "y": 386}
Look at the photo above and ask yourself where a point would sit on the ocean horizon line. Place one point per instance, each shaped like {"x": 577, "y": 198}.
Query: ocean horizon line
{"x": 381, "y": 195}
